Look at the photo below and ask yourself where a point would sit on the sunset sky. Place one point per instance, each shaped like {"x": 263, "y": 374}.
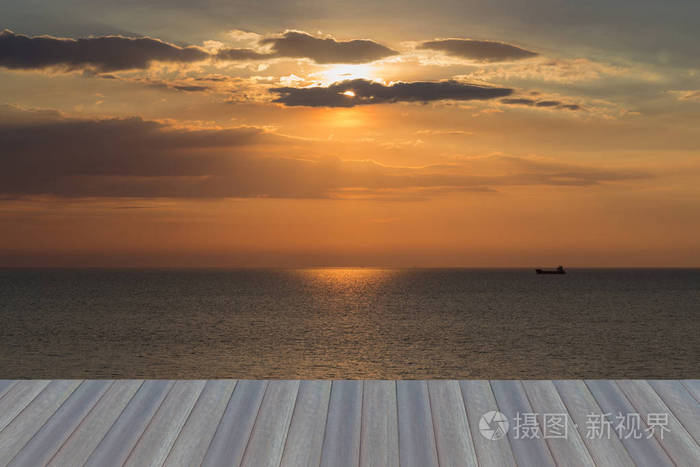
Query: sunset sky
{"x": 393, "y": 133}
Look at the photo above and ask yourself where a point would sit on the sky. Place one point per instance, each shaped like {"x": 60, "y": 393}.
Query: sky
{"x": 300, "y": 134}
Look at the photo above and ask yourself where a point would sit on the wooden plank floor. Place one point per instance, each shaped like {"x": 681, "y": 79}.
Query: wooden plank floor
{"x": 337, "y": 423}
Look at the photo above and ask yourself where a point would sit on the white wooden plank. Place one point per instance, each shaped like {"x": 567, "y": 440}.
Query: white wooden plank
{"x": 92, "y": 429}
{"x": 5, "y": 385}
{"x": 512, "y": 402}
{"x": 416, "y": 434}
{"x": 341, "y": 445}
{"x": 580, "y": 403}
{"x": 229, "y": 442}
{"x": 693, "y": 386}
{"x": 305, "y": 438}
{"x": 379, "y": 443}
{"x": 682, "y": 404}
{"x": 155, "y": 442}
{"x": 33, "y": 416}
{"x": 479, "y": 400}
{"x": 452, "y": 435}
{"x": 644, "y": 452}
{"x": 568, "y": 450}
{"x": 61, "y": 424}
{"x": 272, "y": 425}
{"x": 121, "y": 437}
{"x": 196, "y": 435}
{"x": 677, "y": 442}
{"x": 17, "y": 398}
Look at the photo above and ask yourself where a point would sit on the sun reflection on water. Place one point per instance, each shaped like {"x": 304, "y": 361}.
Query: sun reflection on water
{"x": 346, "y": 277}
{"x": 342, "y": 310}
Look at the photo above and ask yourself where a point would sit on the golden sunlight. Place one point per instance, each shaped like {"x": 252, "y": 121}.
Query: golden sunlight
{"x": 334, "y": 73}
{"x": 354, "y": 117}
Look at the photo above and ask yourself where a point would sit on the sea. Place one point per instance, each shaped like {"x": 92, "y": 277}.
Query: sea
{"x": 349, "y": 323}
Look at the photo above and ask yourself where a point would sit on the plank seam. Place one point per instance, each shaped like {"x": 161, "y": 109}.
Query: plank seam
{"x": 671, "y": 410}
{"x": 115, "y": 421}
{"x": 659, "y": 441}
{"x": 468, "y": 433}
{"x": 325, "y": 428}
{"x": 8, "y": 388}
{"x": 568, "y": 410}
{"x": 150, "y": 421}
{"x": 362, "y": 415}
{"x": 9, "y": 422}
{"x": 629, "y": 454}
{"x": 507, "y": 438}
{"x": 182, "y": 427}
{"x": 70, "y": 436}
{"x": 398, "y": 430}
{"x": 46, "y": 421}
{"x": 255, "y": 422}
{"x": 532, "y": 407}
{"x": 289, "y": 426}
{"x": 469, "y": 425}
{"x": 328, "y": 405}
{"x": 691, "y": 392}
{"x": 189, "y": 416}
{"x": 218, "y": 426}
{"x": 432, "y": 422}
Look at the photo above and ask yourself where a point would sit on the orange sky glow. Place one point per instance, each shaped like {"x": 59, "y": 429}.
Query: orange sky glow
{"x": 310, "y": 141}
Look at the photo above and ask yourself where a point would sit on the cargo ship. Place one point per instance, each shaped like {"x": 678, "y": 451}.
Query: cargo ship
{"x": 558, "y": 270}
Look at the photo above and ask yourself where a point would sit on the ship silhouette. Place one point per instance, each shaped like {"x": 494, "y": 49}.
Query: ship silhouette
{"x": 558, "y": 270}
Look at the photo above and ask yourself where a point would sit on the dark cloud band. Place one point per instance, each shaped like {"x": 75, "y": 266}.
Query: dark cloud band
{"x": 116, "y": 53}
{"x": 45, "y": 153}
{"x": 362, "y": 92}
{"x": 298, "y": 44}
{"x": 542, "y": 104}
{"x": 108, "y": 53}
{"x": 239, "y": 55}
{"x": 482, "y": 51}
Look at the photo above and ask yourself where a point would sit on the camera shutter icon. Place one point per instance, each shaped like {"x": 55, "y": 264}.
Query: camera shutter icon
{"x": 493, "y": 425}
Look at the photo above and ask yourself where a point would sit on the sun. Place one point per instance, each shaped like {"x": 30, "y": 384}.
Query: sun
{"x": 334, "y": 73}
{"x": 349, "y": 93}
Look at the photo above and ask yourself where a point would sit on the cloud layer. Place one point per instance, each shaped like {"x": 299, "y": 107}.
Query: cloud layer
{"x": 117, "y": 53}
{"x": 45, "y": 153}
{"x": 297, "y": 44}
{"x": 482, "y": 51}
{"x": 239, "y": 55}
{"x": 543, "y": 103}
{"x": 363, "y": 92}
{"x": 108, "y": 53}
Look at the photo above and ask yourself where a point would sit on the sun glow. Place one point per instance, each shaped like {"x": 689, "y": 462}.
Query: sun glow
{"x": 349, "y": 93}
{"x": 335, "y": 73}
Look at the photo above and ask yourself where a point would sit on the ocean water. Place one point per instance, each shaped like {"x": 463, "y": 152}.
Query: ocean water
{"x": 349, "y": 323}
